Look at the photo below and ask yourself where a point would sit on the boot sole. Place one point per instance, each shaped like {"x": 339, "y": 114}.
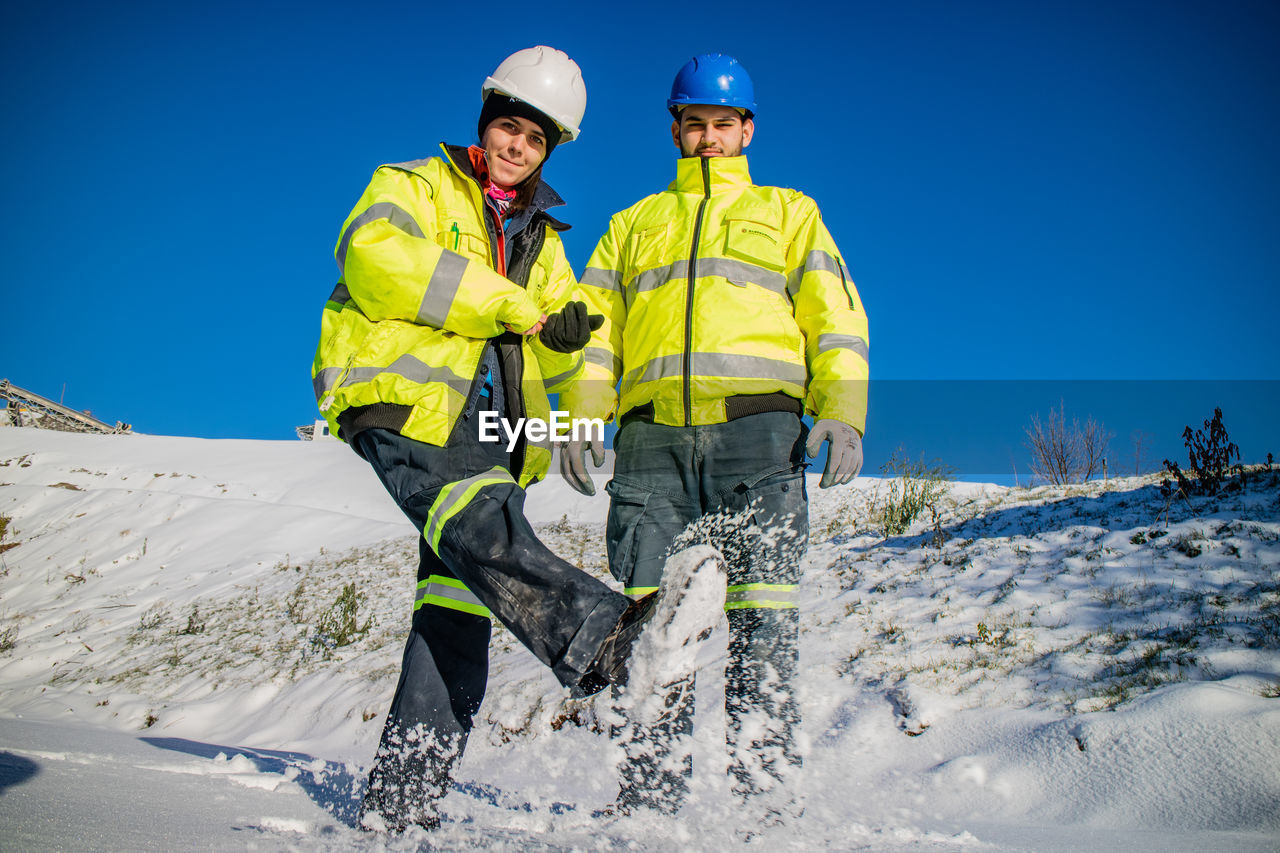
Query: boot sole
{"x": 689, "y": 605}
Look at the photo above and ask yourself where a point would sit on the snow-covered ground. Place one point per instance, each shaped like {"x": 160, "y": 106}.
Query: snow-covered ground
{"x": 1090, "y": 668}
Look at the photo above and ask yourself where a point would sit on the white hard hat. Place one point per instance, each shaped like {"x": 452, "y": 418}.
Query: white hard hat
{"x": 544, "y": 78}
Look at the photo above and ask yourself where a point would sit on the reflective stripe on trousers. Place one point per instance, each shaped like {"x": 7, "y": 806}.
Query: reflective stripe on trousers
{"x": 455, "y": 497}
{"x": 451, "y": 593}
{"x": 765, "y": 596}
{"x": 768, "y": 596}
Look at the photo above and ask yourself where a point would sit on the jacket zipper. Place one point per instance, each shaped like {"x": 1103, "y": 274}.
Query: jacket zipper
{"x": 516, "y": 399}
{"x": 688, "y": 302}
{"x": 498, "y": 248}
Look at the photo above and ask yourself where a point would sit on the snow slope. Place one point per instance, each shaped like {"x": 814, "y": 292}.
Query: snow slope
{"x": 1051, "y": 669}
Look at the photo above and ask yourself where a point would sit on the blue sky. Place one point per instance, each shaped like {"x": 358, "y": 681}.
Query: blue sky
{"x": 1041, "y": 192}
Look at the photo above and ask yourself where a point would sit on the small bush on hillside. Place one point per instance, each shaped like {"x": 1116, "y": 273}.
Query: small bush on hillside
{"x": 340, "y": 625}
{"x": 152, "y": 618}
{"x": 4, "y": 532}
{"x": 915, "y": 487}
{"x": 195, "y": 623}
{"x": 294, "y": 604}
{"x": 1209, "y": 456}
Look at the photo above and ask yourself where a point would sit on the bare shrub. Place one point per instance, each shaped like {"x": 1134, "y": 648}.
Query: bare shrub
{"x": 1063, "y": 453}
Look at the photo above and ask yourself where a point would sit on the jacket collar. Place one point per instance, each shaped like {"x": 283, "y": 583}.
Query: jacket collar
{"x": 723, "y": 174}
{"x": 544, "y": 196}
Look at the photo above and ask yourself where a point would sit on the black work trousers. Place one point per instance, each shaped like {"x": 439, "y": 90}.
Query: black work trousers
{"x": 479, "y": 558}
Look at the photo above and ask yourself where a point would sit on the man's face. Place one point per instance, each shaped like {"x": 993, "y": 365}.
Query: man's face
{"x": 711, "y": 131}
{"x": 514, "y": 147}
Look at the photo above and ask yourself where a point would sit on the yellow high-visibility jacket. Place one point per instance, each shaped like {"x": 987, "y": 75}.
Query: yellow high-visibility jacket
{"x": 715, "y": 289}
{"x": 418, "y": 299}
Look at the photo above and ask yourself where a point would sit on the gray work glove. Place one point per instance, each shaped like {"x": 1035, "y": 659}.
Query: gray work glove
{"x": 573, "y": 463}
{"x": 569, "y": 329}
{"x": 844, "y": 454}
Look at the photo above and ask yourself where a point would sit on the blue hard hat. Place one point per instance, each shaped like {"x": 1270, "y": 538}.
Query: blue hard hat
{"x": 712, "y": 78}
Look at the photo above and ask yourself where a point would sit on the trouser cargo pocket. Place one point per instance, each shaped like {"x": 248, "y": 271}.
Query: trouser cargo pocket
{"x": 642, "y": 524}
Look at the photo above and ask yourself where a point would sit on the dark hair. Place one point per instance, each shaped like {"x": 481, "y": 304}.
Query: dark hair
{"x": 527, "y": 188}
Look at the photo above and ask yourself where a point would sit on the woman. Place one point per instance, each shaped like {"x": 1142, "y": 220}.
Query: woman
{"x": 453, "y": 303}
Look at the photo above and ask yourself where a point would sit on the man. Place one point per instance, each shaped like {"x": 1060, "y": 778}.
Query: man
{"x": 452, "y": 306}
{"x": 729, "y": 313}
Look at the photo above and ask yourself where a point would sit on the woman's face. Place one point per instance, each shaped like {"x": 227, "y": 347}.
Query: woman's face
{"x": 514, "y": 147}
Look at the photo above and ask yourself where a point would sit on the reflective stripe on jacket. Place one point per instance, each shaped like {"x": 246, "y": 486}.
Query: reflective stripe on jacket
{"x": 418, "y": 299}
{"x": 716, "y": 288}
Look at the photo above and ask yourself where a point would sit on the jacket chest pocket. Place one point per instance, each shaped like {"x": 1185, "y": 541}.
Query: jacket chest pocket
{"x": 460, "y": 234}
{"x": 647, "y": 249}
{"x": 755, "y": 237}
